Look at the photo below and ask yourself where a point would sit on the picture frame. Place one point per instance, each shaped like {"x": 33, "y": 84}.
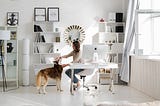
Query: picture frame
{"x": 12, "y": 18}
{"x": 39, "y": 14}
{"x": 53, "y": 14}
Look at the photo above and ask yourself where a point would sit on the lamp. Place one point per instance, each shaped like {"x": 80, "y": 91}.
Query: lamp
{"x": 4, "y": 35}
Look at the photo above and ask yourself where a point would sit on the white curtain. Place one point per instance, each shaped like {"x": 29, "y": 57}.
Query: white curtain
{"x": 129, "y": 34}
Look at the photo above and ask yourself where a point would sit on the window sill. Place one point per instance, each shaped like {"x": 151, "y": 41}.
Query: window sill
{"x": 148, "y": 57}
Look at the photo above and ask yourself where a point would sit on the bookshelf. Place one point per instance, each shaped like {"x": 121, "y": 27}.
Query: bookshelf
{"x": 47, "y": 45}
{"x": 10, "y": 54}
{"x": 111, "y": 34}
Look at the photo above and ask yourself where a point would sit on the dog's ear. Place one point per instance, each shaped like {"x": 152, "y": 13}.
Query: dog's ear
{"x": 55, "y": 62}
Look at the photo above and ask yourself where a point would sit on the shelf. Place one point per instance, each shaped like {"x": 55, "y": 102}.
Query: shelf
{"x": 47, "y": 32}
{"x": 40, "y": 64}
{"x": 11, "y": 53}
{"x": 43, "y": 21}
{"x": 15, "y": 26}
{"x": 111, "y": 23}
{"x": 5, "y": 27}
{"x": 104, "y": 73}
{"x": 9, "y": 79}
{"x": 43, "y": 53}
{"x": 111, "y": 32}
{"x": 115, "y": 23}
{"x": 11, "y": 65}
{"x": 43, "y": 43}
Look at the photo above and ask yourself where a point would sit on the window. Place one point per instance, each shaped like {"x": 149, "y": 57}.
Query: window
{"x": 148, "y": 24}
{"x": 149, "y": 4}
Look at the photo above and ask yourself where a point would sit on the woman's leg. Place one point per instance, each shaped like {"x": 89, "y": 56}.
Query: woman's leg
{"x": 76, "y": 71}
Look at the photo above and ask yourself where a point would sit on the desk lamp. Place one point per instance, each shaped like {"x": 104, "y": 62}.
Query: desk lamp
{"x": 4, "y": 35}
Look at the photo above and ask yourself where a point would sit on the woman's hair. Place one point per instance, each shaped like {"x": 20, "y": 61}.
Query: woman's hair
{"x": 76, "y": 44}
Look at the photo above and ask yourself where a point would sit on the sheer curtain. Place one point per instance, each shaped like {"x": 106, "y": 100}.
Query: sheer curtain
{"x": 129, "y": 34}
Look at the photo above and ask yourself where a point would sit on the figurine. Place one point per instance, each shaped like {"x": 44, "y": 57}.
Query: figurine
{"x": 9, "y": 47}
{"x": 101, "y": 20}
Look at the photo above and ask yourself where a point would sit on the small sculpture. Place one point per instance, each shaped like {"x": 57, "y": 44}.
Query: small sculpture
{"x": 109, "y": 44}
{"x": 101, "y": 20}
{"x": 9, "y": 47}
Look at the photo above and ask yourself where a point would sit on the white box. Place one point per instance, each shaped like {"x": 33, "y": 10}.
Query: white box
{"x": 112, "y": 17}
{"x": 105, "y": 80}
{"x": 102, "y": 27}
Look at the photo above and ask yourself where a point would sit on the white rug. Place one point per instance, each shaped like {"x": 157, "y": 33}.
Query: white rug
{"x": 154, "y": 103}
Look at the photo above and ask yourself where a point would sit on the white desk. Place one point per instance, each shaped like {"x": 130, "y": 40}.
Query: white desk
{"x": 93, "y": 66}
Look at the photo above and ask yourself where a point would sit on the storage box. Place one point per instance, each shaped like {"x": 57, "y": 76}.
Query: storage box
{"x": 104, "y": 79}
{"x": 119, "y": 29}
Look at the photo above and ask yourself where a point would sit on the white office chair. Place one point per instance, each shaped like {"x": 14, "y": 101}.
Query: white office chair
{"x": 87, "y": 73}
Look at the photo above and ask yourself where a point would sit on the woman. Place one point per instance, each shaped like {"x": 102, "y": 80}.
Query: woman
{"x": 76, "y": 53}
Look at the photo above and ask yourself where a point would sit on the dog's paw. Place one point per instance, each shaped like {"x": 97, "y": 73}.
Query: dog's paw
{"x": 110, "y": 89}
{"x": 59, "y": 90}
{"x": 39, "y": 92}
{"x": 44, "y": 92}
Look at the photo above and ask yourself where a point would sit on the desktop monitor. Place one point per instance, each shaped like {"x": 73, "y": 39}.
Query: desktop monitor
{"x": 89, "y": 50}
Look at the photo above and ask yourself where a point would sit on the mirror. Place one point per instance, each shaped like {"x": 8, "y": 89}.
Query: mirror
{"x": 73, "y": 33}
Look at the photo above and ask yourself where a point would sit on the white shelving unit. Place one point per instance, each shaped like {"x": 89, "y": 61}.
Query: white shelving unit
{"x": 10, "y": 53}
{"x": 111, "y": 34}
{"x": 47, "y": 45}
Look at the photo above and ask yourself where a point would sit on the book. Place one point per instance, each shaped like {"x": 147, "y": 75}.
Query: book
{"x": 42, "y": 38}
{"x": 37, "y": 28}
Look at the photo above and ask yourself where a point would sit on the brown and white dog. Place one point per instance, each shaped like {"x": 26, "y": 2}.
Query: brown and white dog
{"x": 53, "y": 73}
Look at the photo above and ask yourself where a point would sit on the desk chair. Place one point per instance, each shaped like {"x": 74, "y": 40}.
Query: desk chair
{"x": 84, "y": 74}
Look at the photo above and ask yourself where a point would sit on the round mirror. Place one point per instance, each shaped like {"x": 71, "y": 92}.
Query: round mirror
{"x": 74, "y": 33}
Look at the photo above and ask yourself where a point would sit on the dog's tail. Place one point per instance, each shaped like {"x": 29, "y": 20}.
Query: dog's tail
{"x": 38, "y": 79}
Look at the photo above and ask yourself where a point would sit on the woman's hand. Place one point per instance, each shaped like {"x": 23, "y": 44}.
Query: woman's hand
{"x": 64, "y": 65}
{"x": 58, "y": 58}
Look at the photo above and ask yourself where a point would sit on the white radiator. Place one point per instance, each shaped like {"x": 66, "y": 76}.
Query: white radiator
{"x": 145, "y": 76}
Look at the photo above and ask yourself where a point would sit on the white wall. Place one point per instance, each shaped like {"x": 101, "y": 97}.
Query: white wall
{"x": 82, "y": 12}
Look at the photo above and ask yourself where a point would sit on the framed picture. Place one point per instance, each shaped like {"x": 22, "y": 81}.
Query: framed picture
{"x": 53, "y": 14}
{"x": 39, "y": 14}
{"x": 12, "y": 18}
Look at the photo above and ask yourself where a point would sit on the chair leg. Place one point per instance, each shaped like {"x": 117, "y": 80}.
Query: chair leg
{"x": 85, "y": 86}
